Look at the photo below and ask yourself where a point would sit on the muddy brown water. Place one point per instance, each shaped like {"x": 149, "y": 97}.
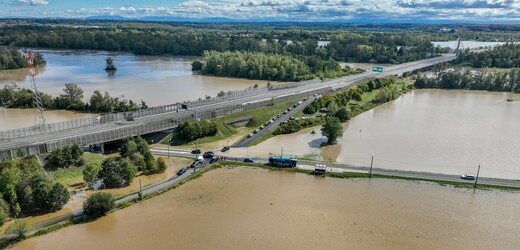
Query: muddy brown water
{"x": 20, "y": 118}
{"x": 437, "y": 131}
{"x": 157, "y": 80}
{"x": 247, "y": 208}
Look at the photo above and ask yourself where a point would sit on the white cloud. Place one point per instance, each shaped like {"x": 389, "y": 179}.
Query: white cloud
{"x": 32, "y": 2}
{"x": 314, "y": 10}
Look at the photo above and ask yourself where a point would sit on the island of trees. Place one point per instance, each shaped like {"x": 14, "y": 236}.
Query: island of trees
{"x": 257, "y": 65}
{"x": 502, "y": 56}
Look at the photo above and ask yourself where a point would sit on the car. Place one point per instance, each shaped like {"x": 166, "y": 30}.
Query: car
{"x": 195, "y": 151}
{"x": 249, "y": 135}
{"x": 256, "y": 131}
{"x": 225, "y": 148}
{"x": 278, "y": 116}
{"x": 200, "y": 159}
{"x": 285, "y": 112}
{"x": 295, "y": 105}
{"x": 214, "y": 159}
{"x": 289, "y": 109}
{"x": 208, "y": 154}
{"x": 318, "y": 116}
{"x": 467, "y": 177}
{"x": 248, "y": 160}
{"x": 300, "y": 102}
{"x": 195, "y": 163}
{"x": 292, "y": 118}
{"x": 305, "y": 99}
{"x": 181, "y": 171}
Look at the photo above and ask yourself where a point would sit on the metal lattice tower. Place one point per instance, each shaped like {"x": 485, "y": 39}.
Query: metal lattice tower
{"x": 39, "y": 120}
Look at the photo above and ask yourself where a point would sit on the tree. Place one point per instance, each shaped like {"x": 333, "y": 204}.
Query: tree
{"x": 110, "y": 64}
{"x": 332, "y": 129}
{"x": 20, "y": 228}
{"x": 4, "y": 210}
{"x": 99, "y": 204}
{"x": 196, "y": 65}
{"x": 342, "y": 114}
{"x": 161, "y": 165}
{"x": 116, "y": 172}
{"x": 90, "y": 174}
{"x": 58, "y": 196}
{"x": 128, "y": 148}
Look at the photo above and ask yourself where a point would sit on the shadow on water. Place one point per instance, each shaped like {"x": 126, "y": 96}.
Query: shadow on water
{"x": 316, "y": 143}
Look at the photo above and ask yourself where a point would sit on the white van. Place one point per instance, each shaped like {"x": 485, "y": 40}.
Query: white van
{"x": 200, "y": 158}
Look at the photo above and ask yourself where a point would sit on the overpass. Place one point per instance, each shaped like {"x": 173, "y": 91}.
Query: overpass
{"x": 113, "y": 127}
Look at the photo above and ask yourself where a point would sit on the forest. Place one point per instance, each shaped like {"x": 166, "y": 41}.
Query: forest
{"x": 501, "y": 56}
{"x": 180, "y": 39}
{"x": 487, "y": 79}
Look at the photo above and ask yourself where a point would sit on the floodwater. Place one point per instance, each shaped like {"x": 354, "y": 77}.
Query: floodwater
{"x": 20, "y": 118}
{"x": 467, "y": 44}
{"x": 246, "y": 208}
{"x": 157, "y": 80}
{"x": 438, "y": 131}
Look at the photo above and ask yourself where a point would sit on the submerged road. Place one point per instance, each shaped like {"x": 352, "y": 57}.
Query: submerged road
{"x": 338, "y": 167}
{"x": 94, "y": 133}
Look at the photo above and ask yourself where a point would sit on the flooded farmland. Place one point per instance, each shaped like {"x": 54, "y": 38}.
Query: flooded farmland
{"x": 246, "y": 208}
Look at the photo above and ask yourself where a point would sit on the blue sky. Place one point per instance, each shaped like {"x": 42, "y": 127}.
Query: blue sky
{"x": 297, "y": 10}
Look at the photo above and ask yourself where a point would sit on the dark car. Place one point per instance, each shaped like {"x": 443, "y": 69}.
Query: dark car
{"x": 467, "y": 177}
{"x": 194, "y": 164}
{"x": 208, "y": 154}
{"x": 248, "y": 160}
{"x": 195, "y": 151}
{"x": 181, "y": 171}
{"x": 225, "y": 148}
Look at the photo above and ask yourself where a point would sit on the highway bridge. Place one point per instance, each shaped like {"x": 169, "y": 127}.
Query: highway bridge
{"x": 113, "y": 127}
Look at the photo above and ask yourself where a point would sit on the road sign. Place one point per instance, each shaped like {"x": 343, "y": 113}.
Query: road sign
{"x": 377, "y": 69}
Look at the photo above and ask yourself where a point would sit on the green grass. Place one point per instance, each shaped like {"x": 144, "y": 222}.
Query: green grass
{"x": 68, "y": 175}
{"x": 260, "y": 116}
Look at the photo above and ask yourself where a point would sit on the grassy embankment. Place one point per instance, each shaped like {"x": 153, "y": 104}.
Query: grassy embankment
{"x": 226, "y": 132}
{"x": 356, "y": 108}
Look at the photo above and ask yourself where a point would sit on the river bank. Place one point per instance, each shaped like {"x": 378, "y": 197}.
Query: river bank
{"x": 251, "y": 206}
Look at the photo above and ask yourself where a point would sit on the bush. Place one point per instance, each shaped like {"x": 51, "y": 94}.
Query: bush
{"x": 20, "y": 228}
{"x": 161, "y": 165}
{"x": 99, "y": 204}
{"x": 65, "y": 157}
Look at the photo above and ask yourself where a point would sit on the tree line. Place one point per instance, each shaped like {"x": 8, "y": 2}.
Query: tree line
{"x": 491, "y": 80}
{"x": 262, "y": 66}
{"x": 500, "y": 56}
{"x": 11, "y": 58}
{"x": 192, "y": 130}
{"x": 343, "y": 105}
{"x": 12, "y": 96}
{"x": 376, "y": 47}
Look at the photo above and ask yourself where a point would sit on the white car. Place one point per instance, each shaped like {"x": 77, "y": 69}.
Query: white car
{"x": 467, "y": 177}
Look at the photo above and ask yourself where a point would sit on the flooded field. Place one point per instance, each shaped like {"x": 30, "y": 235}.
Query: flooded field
{"x": 20, "y": 118}
{"x": 426, "y": 130}
{"x": 157, "y": 80}
{"x": 246, "y": 208}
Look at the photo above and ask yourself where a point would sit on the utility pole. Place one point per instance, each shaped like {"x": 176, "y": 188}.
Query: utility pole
{"x": 140, "y": 190}
{"x": 371, "y": 163}
{"x": 168, "y": 149}
{"x": 478, "y": 172}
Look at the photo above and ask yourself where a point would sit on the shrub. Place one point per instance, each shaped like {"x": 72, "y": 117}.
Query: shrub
{"x": 99, "y": 204}
{"x": 20, "y": 228}
{"x": 161, "y": 165}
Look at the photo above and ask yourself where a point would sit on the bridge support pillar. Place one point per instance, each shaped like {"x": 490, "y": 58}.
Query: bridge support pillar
{"x": 102, "y": 146}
